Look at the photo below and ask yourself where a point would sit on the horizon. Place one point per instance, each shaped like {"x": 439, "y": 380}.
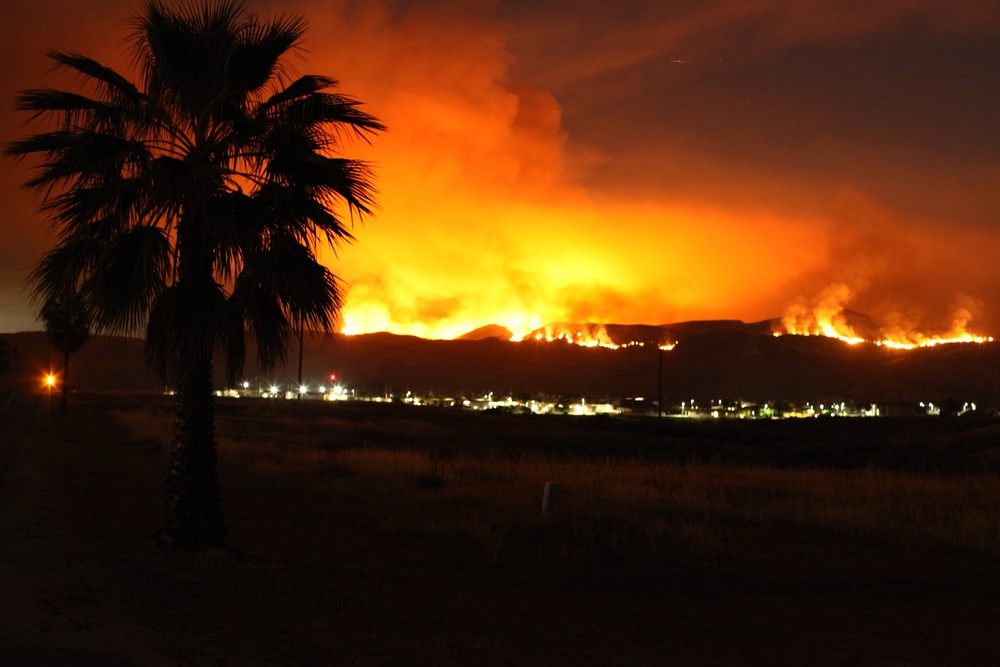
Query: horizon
{"x": 599, "y": 334}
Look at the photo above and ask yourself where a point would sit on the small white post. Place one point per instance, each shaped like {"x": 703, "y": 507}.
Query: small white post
{"x": 551, "y": 497}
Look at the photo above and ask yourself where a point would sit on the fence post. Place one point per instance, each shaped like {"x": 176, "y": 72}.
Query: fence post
{"x": 551, "y": 497}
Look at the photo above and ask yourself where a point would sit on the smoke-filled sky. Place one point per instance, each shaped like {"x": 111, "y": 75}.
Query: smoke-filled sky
{"x": 634, "y": 162}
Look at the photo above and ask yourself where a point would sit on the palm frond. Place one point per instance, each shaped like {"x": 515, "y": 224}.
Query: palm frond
{"x": 115, "y": 86}
{"x": 336, "y": 113}
{"x": 305, "y": 104}
{"x": 79, "y": 155}
{"x": 256, "y": 57}
{"x": 264, "y": 317}
{"x": 77, "y": 110}
{"x": 305, "y": 288}
{"x": 190, "y": 321}
{"x": 301, "y": 213}
{"x": 350, "y": 181}
{"x": 102, "y": 204}
{"x": 63, "y": 267}
{"x": 301, "y": 87}
{"x": 134, "y": 271}
{"x": 238, "y": 227}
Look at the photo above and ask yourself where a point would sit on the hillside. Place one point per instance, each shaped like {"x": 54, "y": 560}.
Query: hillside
{"x": 721, "y": 360}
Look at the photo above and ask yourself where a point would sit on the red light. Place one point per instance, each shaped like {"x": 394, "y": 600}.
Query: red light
{"x": 333, "y": 377}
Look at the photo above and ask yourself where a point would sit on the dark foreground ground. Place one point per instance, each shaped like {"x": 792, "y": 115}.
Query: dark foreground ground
{"x": 84, "y": 584}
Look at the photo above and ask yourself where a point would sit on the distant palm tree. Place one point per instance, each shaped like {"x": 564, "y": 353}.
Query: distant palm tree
{"x": 193, "y": 204}
{"x": 67, "y": 323}
{"x": 7, "y": 356}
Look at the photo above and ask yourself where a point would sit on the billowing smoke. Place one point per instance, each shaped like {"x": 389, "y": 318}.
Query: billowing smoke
{"x": 891, "y": 271}
{"x": 524, "y": 181}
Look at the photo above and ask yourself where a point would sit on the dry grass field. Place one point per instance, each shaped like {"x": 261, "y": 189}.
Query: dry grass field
{"x": 374, "y": 534}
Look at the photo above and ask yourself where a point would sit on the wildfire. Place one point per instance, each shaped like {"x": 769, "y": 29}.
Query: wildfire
{"x": 935, "y": 340}
{"x": 583, "y": 335}
{"x": 826, "y": 315}
{"x": 906, "y": 344}
{"x": 829, "y": 317}
{"x": 593, "y": 336}
{"x": 590, "y": 335}
{"x": 579, "y": 338}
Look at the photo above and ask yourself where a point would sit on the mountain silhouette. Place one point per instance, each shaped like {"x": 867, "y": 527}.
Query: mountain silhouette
{"x": 724, "y": 359}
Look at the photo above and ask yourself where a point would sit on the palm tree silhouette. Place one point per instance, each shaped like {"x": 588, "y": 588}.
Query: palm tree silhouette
{"x": 67, "y": 324}
{"x": 192, "y": 205}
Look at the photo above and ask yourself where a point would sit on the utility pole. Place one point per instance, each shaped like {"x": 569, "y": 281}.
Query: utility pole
{"x": 659, "y": 393}
{"x": 299, "y": 388}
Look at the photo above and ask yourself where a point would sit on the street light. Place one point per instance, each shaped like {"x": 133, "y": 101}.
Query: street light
{"x": 50, "y": 382}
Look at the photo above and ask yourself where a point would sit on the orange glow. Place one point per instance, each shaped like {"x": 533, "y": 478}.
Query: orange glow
{"x": 50, "y": 380}
{"x": 540, "y": 262}
{"x": 503, "y": 200}
{"x": 484, "y": 218}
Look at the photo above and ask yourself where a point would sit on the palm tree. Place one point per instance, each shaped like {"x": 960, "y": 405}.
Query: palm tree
{"x": 67, "y": 323}
{"x": 7, "y": 355}
{"x": 193, "y": 204}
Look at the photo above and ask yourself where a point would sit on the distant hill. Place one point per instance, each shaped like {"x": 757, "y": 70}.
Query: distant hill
{"x": 712, "y": 360}
{"x": 489, "y": 331}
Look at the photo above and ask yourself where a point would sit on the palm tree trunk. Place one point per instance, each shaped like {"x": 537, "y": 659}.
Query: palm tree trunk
{"x": 64, "y": 395}
{"x": 194, "y": 510}
{"x": 193, "y": 503}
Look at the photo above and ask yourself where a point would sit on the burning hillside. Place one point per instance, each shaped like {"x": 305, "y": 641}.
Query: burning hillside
{"x": 827, "y": 315}
{"x": 826, "y": 318}
{"x": 611, "y": 336}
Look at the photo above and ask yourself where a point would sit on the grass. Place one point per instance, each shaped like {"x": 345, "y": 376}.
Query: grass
{"x": 392, "y": 535}
{"x": 478, "y": 479}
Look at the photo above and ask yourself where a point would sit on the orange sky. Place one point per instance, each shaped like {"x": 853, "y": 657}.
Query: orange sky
{"x": 644, "y": 165}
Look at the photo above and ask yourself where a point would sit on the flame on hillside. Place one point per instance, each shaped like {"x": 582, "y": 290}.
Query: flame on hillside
{"x": 589, "y": 335}
{"x": 522, "y": 329}
{"x": 827, "y": 316}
